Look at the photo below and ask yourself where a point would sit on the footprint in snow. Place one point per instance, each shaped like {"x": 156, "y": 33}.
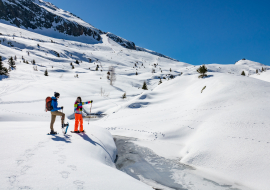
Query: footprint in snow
{"x": 24, "y": 169}
{"x": 25, "y": 187}
{"x": 29, "y": 155}
{"x": 74, "y": 168}
{"x": 63, "y": 156}
{"x": 12, "y": 179}
{"x": 64, "y": 174}
{"x": 79, "y": 184}
{"x": 61, "y": 161}
{"x": 19, "y": 162}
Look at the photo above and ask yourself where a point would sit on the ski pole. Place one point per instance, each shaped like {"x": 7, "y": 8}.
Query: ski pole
{"x": 90, "y": 114}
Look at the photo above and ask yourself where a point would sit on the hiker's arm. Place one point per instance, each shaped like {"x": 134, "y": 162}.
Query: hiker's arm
{"x": 87, "y": 102}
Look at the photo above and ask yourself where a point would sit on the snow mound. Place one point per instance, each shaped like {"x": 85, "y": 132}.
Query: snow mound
{"x": 249, "y": 63}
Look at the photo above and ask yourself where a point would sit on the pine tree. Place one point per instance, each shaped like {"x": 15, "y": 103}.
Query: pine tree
{"x": 202, "y": 70}
{"x": 3, "y": 70}
{"x": 97, "y": 68}
{"x": 262, "y": 69}
{"x": 243, "y": 73}
{"x": 72, "y": 66}
{"x": 34, "y": 62}
{"x": 170, "y": 70}
{"x": 136, "y": 73}
{"x": 46, "y": 73}
{"x": 160, "y": 81}
{"x": 257, "y": 71}
{"x": 124, "y": 96}
{"x": 11, "y": 63}
{"x": 144, "y": 86}
{"x": 77, "y": 62}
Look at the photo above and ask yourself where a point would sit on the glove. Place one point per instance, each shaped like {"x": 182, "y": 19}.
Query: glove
{"x": 62, "y": 107}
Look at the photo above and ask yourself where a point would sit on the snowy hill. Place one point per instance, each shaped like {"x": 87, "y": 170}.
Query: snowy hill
{"x": 45, "y": 18}
{"x": 220, "y": 132}
{"x": 249, "y": 63}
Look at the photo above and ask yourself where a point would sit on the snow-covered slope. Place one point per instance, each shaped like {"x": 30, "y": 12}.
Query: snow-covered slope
{"x": 222, "y": 131}
{"x": 35, "y": 160}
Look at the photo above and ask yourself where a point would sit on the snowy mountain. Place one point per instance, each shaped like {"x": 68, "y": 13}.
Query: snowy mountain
{"x": 185, "y": 132}
{"x": 45, "y": 18}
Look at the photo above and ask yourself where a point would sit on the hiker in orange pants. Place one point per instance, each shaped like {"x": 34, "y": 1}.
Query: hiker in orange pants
{"x": 78, "y": 119}
{"x": 78, "y": 114}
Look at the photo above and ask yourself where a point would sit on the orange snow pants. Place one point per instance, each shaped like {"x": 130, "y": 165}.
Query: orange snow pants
{"x": 78, "y": 119}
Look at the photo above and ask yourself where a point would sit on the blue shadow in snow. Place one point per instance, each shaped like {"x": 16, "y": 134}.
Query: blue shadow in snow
{"x": 208, "y": 76}
{"x": 59, "y": 70}
{"x": 87, "y": 138}
{"x": 143, "y": 97}
{"x": 3, "y": 77}
{"x": 138, "y": 105}
{"x": 65, "y": 139}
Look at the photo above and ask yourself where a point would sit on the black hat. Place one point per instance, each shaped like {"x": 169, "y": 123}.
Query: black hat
{"x": 56, "y": 94}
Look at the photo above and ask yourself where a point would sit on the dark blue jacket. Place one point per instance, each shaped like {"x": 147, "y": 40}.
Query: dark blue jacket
{"x": 55, "y": 104}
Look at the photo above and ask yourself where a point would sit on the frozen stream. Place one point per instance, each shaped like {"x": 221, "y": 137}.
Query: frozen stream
{"x": 158, "y": 172}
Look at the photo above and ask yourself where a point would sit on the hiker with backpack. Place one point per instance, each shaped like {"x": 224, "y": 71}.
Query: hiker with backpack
{"x": 52, "y": 105}
{"x": 78, "y": 114}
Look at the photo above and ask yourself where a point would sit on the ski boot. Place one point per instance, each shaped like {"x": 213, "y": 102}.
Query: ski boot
{"x": 53, "y": 132}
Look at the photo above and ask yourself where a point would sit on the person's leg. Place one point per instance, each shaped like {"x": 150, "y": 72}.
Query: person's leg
{"x": 52, "y": 120}
{"x": 63, "y": 118}
{"x": 81, "y": 122}
{"x": 76, "y": 122}
{"x": 58, "y": 113}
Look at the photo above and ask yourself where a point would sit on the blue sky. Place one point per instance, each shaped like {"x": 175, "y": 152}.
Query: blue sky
{"x": 193, "y": 31}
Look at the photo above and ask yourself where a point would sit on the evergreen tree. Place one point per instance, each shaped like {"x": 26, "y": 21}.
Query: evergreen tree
{"x": 262, "y": 69}
{"x": 34, "y": 62}
{"x": 124, "y": 96}
{"x": 256, "y": 70}
{"x": 160, "y": 81}
{"x": 77, "y": 62}
{"x": 97, "y": 67}
{"x": 15, "y": 58}
{"x": 170, "y": 70}
{"x": 202, "y": 70}
{"x": 144, "y": 86}
{"x": 11, "y": 63}
{"x": 72, "y": 67}
{"x": 243, "y": 73}
{"x": 46, "y": 73}
{"x": 136, "y": 73}
{"x": 3, "y": 70}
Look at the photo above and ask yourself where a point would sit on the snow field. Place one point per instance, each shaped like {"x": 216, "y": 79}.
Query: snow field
{"x": 221, "y": 132}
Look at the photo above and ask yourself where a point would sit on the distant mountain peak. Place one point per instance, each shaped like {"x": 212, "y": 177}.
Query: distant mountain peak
{"x": 248, "y": 63}
{"x": 45, "y": 18}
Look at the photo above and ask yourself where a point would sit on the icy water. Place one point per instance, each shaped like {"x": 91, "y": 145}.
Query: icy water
{"x": 160, "y": 173}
